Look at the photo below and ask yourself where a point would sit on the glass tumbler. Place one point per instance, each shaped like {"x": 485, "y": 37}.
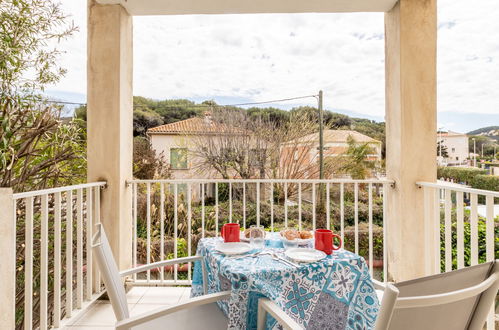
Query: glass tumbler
{"x": 257, "y": 237}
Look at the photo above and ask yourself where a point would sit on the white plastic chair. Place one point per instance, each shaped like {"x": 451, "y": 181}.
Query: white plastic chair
{"x": 459, "y": 299}
{"x": 197, "y": 313}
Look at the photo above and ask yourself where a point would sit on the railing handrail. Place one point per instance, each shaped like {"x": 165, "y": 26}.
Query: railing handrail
{"x": 456, "y": 188}
{"x": 35, "y": 193}
{"x": 262, "y": 181}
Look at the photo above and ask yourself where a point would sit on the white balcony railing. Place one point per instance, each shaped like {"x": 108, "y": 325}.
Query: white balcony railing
{"x": 461, "y": 237}
{"x": 55, "y": 283}
{"x": 54, "y": 256}
{"x": 170, "y": 216}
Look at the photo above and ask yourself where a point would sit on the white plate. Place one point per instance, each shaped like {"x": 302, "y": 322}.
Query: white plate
{"x": 305, "y": 255}
{"x": 233, "y": 248}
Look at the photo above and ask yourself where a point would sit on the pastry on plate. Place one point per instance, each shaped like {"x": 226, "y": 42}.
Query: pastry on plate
{"x": 290, "y": 234}
{"x": 305, "y": 234}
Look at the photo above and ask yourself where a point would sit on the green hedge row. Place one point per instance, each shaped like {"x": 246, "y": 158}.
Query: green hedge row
{"x": 459, "y": 174}
{"x": 476, "y": 178}
{"x": 349, "y": 243}
{"x": 487, "y": 182}
{"x": 482, "y": 251}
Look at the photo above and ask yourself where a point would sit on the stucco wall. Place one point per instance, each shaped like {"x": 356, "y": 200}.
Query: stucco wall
{"x": 457, "y": 147}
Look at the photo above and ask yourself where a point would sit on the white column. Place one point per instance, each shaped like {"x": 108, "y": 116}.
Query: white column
{"x": 109, "y": 118}
{"x": 410, "y": 37}
{"x": 8, "y": 257}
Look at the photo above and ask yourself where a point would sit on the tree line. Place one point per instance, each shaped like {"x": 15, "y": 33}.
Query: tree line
{"x": 148, "y": 113}
{"x": 266, "y": 124}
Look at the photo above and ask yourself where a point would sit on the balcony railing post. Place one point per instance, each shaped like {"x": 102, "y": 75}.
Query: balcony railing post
{"x": 431, "y": 230}
{"x": 8, "y": 257}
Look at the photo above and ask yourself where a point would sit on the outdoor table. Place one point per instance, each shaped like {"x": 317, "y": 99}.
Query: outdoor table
{"x": 334, "y": 293}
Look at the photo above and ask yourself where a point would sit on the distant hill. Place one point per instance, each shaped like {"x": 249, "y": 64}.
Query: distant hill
{"x": 489, "y": 131}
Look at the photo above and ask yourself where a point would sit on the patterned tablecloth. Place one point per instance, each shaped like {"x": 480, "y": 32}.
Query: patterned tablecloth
{"x": 335, "y": 293}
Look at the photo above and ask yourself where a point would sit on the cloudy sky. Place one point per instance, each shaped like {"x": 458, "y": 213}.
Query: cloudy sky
{"x": 246, "y": 58}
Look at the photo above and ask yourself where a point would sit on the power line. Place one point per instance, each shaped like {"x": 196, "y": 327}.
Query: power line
{"x": 63, "y": 102}
{"x": 145, "y": 106}
{"x": 273, "y": 101}
{"x": 52, "y": 101}
{"x": 196, "y": 105}
{"x": 230, "y": 105}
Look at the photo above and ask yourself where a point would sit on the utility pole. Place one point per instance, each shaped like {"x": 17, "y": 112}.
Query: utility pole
{"x": 321, "y": 138}
{"x": 321, "y": 220}
{"x": 474, "y": 152}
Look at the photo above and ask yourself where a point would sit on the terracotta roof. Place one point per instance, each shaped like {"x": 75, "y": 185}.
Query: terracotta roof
{"x": 331, "y": 135}
{"x": 189, "y": 126}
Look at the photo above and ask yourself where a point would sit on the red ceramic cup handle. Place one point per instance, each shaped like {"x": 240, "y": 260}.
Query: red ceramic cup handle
{"x": 341, "y": 242}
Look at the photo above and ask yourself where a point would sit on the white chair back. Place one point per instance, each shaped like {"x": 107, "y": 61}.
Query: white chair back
{"x": 110, "y": 274}
{"x": 459, "y": 299}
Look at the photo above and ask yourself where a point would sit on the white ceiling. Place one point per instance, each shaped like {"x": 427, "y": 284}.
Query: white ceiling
{"x": 187, "y": 7}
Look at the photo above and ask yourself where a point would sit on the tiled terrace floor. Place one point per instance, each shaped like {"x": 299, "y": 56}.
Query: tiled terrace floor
{"x": 140, "y": 300}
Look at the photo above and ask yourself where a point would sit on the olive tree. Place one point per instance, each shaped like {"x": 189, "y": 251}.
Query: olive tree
{"x": 37, "y": 148}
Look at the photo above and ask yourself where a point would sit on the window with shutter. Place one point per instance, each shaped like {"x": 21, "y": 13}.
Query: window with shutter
{"x": 178, "y": 158}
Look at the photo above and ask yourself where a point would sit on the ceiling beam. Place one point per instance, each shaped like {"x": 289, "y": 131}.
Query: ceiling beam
{"x": 193, "y": 7}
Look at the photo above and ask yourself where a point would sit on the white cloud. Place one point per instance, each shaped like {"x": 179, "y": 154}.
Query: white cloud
{"x": 468, "y": 57}
{"x": 261, "y": 57}
{"x": 75, "y": 57}
{"x": 264, "y": 57}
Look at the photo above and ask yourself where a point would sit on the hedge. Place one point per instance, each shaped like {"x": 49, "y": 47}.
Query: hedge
{"x": 475, "y": 178}
{"x": 486, "y": 182}
{"x": 349, "y": 243}
{"x": 482, "y": 251}
{"x": 459, "y": 174}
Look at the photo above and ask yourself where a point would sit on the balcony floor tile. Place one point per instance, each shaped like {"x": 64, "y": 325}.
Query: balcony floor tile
{"x": 162, "y": 295}
{"x": 140, "y": 299}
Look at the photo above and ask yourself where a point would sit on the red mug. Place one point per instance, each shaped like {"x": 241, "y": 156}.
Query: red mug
{"x": 230, "y": 232}
{"x": 324, "y": 241}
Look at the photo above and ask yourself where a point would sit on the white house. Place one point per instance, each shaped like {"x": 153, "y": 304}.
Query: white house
{"x": 177, "y": 141}
{"x": 457, "y": 148}
{"x": 305, "y": 150}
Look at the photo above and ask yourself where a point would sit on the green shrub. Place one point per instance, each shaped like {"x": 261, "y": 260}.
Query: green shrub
{"x": 349, "y": 243}
{"x": 485, "y": 182}
{"x": 476, "y": 178}
{"x": 467, "y": 244}
{"x": 459, "y": 174}
{"x": 223, "y": 192}
{"x": 363, "y": 209}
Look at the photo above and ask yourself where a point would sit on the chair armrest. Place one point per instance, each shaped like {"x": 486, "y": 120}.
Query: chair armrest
{"x": 160, "y": 264}
{"x": 149, "y": 316}
{"x": 267, "y": 306}
{"x": 379, "y": 285}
